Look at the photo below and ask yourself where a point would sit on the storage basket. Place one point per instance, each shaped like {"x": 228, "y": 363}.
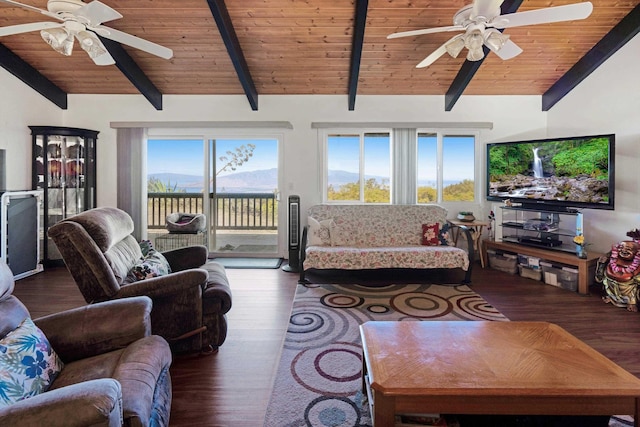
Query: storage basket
{"x": 561, "y": 276}
{"x": 507, "y": 263}
{"x": 169, "y": 241}
{"x": 530, "y": 273}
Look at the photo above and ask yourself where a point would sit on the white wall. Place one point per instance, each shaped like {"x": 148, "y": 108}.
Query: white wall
{"x": 20, "y": 107}
{"x": 608, "y": 101}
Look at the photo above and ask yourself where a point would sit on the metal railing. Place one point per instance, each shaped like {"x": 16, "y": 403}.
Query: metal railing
{"x": 234, "y": 211}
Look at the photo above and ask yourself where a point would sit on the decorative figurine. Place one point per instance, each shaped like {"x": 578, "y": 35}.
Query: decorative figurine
{"x": 619, "y": 272}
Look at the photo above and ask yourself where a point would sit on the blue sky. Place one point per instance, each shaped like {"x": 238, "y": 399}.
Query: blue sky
{"x": 185, "y": 156}
{"x": 458, "y": 156}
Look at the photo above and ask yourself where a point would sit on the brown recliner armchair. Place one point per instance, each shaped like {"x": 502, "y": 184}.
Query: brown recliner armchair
{"x": 115, "y": 373}
{"x": 189, "y": 304}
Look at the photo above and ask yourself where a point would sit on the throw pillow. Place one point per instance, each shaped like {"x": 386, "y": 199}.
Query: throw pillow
{"x": 430, "y": 234}
{"x": 152, "y": 264}
{"x": 444, "y": 235}
{"x": 319, "y": 233}
{"x": 28, "y": 364}
{"x": 146, "y": 247}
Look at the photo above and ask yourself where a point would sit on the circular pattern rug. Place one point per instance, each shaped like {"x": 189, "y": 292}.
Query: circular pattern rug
{"x": 318, "y": 381}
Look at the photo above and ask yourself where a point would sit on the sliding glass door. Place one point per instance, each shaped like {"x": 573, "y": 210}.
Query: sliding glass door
{"x": 232, "y": 181}
{"x": 244, "y": 191}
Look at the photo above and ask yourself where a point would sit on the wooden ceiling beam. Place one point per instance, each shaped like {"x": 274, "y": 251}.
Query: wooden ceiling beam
{"x": 469, "y": 68}
{"x": 230, "y": 38}
{"x": 132, "y": 71}
{"x": 619, "y": 35}
{"x": 356, "y": 50}
{"x": 32, "y": 77}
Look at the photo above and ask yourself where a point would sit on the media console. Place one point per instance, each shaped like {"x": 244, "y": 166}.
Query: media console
{"x": 586, "y": 267}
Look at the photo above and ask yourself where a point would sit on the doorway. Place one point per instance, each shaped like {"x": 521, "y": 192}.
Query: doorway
{"x": 244, "y": 193}
{"x": 232, "y": 181}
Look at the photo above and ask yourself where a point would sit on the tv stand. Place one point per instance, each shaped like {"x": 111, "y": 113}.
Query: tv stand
{"x": 548, "y": 207}
{"x": 586, "y": 267}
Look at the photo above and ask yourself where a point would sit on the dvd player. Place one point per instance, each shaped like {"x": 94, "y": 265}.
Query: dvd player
{"x": 549, "y": 242}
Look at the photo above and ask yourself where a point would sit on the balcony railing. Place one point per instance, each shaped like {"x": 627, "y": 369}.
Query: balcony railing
{"x": 233, "y": 211}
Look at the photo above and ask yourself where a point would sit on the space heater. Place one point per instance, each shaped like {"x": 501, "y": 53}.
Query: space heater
{"x": 293, "y": 237}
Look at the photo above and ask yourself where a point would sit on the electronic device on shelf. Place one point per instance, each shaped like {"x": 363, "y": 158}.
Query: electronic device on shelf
{"x": 549, "y": 241}
{"x": 556, "y": 174}
{"x": 515, "y": 224}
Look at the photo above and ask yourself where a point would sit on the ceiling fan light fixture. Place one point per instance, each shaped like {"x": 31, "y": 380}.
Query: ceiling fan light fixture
{"x": 494, "y": 39}
{"x": 455, "y": 46}
{"x": 59, "y": 39}
{"x": 474, "y": 40}
{"x": 91, "y": 44}
{"x": 475, "y": 54}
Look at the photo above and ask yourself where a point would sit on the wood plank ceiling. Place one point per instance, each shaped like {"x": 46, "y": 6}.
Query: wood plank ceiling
{"x": 306, "y": 47}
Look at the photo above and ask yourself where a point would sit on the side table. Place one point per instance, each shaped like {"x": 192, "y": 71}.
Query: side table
{"x": 475, "y": 227}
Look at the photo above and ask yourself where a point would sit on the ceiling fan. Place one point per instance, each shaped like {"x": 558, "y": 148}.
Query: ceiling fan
{"x": 81, "y": 21}
{"x": 481, "y": 22}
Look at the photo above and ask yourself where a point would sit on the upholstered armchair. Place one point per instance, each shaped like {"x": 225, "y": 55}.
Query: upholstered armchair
{"x": 189, "y": 303}
{"x": 113, "y": 372}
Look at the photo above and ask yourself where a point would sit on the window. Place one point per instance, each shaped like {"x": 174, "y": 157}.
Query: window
{"x": 358, "y": 167}
{"x": 446, "y": 168}
{"x": 430, "y": 166}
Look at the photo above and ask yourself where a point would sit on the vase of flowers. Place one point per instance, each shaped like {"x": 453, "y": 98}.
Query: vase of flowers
{"x": 581, "y": 246}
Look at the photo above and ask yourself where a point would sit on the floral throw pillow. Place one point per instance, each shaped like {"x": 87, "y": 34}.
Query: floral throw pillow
{"x": 430, "y": 234}
{"x": 152, "y": 264}
{"x": 319, "y": 233}
{"x": 28, "y": 364}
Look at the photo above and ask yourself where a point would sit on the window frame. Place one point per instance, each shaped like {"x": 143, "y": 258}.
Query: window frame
{"x": 360, "y": 132}
{"x": 440, "y": 132}
{"x": 477, "y": 163}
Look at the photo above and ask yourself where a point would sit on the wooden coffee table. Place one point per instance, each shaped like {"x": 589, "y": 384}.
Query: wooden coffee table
{"x": 477, "y": 367}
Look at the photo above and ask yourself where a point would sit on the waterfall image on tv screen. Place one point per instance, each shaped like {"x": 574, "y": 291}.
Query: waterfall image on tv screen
{"x": 562, "y": 172}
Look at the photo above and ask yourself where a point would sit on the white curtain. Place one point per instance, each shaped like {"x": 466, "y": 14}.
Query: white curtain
{"x": 404, "y": 168}
{"x": 132, "y": 181}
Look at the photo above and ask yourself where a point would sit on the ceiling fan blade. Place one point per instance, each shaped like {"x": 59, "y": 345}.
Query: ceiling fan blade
{"x": 97, "y": 12}
{"x": 487, "y": 8}
{"x": 104, "y": 59}
{"x": 34, "y": 9}
{"x": 25, "y": 28}
{"x": 133, "y": 41}
{"x": 94, "y": 47}
{"x": 425, "y": 31}
{"x": 547, "y": 15}
{"x": 509, "y": 50}
{"x": 435, "y": 55}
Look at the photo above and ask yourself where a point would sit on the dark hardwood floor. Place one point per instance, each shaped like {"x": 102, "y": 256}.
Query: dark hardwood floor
{"x": 232, "y": 387}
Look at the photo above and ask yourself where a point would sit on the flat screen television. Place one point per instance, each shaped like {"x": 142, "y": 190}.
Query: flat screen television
{"x": 555, "y": 174}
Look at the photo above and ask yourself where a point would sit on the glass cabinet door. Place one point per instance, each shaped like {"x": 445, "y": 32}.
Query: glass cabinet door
{"x": 64, "y": 168}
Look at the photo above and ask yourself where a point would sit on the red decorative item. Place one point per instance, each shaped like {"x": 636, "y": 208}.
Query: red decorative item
{"x": 430, "y": 234}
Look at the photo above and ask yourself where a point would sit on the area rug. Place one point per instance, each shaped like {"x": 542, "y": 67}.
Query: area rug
{"x": 249, "y": 262}
{"x": 318, "y": 380}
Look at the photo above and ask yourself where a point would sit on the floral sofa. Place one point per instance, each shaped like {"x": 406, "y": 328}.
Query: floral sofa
{"x": 359, "y": 237}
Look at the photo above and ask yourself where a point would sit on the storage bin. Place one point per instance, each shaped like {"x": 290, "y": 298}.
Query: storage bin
{"x": 529, "y": 261}
{"x": 530, "y": 273}
{"x": 507, "y": 263}
{"x": 561, "y": 276}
